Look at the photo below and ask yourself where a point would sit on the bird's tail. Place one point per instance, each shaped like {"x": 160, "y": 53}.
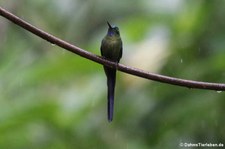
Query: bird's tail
{"x": 111, "y": 81}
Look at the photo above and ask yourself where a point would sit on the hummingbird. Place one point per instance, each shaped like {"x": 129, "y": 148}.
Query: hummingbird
{"x": 111, "y": 49}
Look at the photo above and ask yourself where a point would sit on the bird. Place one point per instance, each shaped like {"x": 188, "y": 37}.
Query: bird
{"x": 111, "y": 49}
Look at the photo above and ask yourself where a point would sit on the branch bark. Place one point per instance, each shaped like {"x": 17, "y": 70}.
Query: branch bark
{"x": 127, "y": 69}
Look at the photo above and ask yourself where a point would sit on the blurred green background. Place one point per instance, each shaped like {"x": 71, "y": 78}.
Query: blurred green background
{"x": 53, "y": 99}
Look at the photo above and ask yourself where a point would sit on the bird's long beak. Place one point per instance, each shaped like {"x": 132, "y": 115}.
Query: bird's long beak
{"x": 109, "y": 25}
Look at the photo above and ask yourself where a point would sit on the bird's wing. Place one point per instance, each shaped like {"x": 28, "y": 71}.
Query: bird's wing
{"x": 101, "y": 50}
{"x": 121, "y": 53}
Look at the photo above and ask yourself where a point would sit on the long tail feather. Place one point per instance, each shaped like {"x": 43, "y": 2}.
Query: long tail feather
{"x": 111, "y": 81}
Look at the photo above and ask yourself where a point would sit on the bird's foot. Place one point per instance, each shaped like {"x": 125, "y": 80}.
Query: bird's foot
{"x": 117, "y": 65}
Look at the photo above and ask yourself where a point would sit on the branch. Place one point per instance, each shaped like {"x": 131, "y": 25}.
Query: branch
{"x": 127, "y": 69}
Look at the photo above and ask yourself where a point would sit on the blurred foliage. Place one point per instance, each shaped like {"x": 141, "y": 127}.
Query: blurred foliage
{"x": 51, "y": 98}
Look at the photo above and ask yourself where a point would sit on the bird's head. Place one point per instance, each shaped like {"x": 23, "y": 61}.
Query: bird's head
{"x": 113, "y": 30}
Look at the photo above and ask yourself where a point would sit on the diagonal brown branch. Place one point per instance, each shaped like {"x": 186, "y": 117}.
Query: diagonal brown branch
{"x": 100, "y": 60}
